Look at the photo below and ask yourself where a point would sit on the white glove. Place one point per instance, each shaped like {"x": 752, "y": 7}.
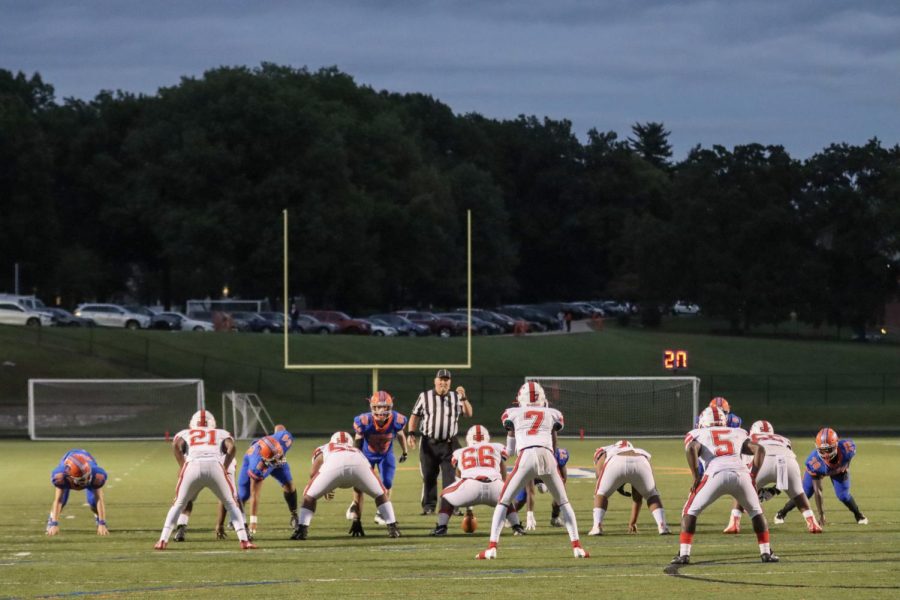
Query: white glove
{"x": 542, "y": 487}
{"x": 530, "y": 522}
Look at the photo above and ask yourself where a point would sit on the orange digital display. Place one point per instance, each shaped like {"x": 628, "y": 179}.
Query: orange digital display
{"x": 675, "y": 359}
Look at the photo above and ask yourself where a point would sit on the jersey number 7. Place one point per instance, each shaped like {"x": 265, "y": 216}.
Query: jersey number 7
{"x": 538, "y": 417}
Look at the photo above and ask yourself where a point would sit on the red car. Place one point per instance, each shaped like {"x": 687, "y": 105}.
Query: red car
{"x": 345, "y": 324}
{"x": 438, "y": 325}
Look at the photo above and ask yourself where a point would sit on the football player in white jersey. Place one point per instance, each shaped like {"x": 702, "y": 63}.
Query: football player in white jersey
{"x": 480, "y": 468}
{"x": 779, "y": 468}
{"x": 616, "y": 465}
{"x": 210, "y": 452}
{"x": 535, "y": 426}
{"x": 340, "y": 464}
{"x": 720, "y": 447}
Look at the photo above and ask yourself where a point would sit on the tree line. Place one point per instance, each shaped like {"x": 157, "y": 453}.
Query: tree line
{"x": 169, "y": 196}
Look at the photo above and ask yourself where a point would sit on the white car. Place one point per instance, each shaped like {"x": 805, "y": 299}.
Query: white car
{"x": 685, "y": 308}
{"x": 11, "y": 313}
{"x": 380, "y": 330}
{"x": 187, "y": 323}
{"x": 112, "y": 315}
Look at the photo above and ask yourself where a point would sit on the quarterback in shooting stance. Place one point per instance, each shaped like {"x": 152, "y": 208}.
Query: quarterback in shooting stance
{"x": 525, "y": 498}
{"x": 720, "y": 447}
{"x": 77, "y": 470}
{"x": 210, "y": 452}
{"x": 375, "y": 433}
{"x": 340, "y": 464}
{"x": 831, "y": 458}
{"x": 480, "y": 467}
{"x": 779, "y": 469}
{"x": 264, "y": 457}
{"x": 534, "y": 425}
{"x": 616, "y": 465}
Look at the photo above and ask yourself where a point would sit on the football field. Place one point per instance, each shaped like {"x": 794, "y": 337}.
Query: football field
{"x": 859, "y": 561}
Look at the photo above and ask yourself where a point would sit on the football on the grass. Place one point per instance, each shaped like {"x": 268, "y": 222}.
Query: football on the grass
{"x": 469, "y": 523}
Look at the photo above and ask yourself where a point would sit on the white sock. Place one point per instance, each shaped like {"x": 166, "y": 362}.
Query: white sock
{"x": 237, "y": 520}
{"x": 569, "y": 519}
{"x": 685, "y": 550}
{"x": 306, "y": 516}
{"x": 513, "y": 517}
{"x": 659, "y": 515}
{"x": 808, "y": 513}
{"x": 183, "y": 519}
{"x": 736, "y": 514}
{"x": 497, "y": 521}
{"x": 443, "y": 518}
{"x": 764, "y": 548}
{"x": 598, "y": 516}
{"x": 169, "y": 525}
{"x": 386, "y": 511}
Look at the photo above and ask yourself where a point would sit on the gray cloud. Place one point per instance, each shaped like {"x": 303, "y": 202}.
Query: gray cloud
{"x": 803, "y": 73}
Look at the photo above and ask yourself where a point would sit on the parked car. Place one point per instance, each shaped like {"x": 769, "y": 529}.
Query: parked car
{"x": 310, "y": 324}
{"x": 112, "y": 315}
{"x": 479, "y": 326}
{"x": 275, "y": 317}
{"x": 63, "y": 318}
{"x": 168, "y": 323}
{"x": 380, "y": 328}
{"x": 186, "y": 323}
{"x": 251, "y": 321}
{"x": 403, "y": 325}
{"x": 345, "y": 323}
{"x": 439, "y": 326}
{"x": 532, "y": 315}
{"x": 685, "y": 308}
{"x": 11, "y": 313}
{"x": 506, "y": 323}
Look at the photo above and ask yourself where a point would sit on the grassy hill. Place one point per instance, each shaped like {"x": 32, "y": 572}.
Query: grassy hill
{"x": 797, "y": 383}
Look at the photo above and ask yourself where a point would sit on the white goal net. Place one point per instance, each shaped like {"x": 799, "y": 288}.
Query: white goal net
{"x": 624, "y": 406}
{"x": 249, "y": 417}
{"x": 109, "y": 409}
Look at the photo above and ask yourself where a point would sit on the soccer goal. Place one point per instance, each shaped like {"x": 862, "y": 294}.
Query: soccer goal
{"x": 249, "y": 417}
{"x": 110, "y": 409}
{"x": 624, "y": 406}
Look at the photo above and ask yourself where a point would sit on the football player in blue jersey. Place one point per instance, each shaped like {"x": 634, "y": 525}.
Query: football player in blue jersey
{"x": 831, "y": 458}
{"x": 526, "y": 496}
{"x": 374, "y": 435}
{"x": 78, "y": 470}
{"x": 266, "y": 456}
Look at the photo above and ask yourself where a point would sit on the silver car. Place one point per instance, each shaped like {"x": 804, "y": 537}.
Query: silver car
{"x": 11, "y": 313}
{"x": 112, "y": 315}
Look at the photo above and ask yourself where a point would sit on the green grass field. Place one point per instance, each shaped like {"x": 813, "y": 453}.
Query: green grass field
{"x": 858, "y": 561}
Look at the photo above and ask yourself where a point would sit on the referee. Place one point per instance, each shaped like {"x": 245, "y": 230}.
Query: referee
{"x": 438, "y": 410}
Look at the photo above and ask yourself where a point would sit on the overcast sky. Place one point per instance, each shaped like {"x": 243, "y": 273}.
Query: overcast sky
{"x": 801, "y": 73}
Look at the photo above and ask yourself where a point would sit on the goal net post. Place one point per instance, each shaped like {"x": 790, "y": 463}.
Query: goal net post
{"x": 111, "y": 409}
{"x": 249, "y": 417}
{"x": 624, "y": 406}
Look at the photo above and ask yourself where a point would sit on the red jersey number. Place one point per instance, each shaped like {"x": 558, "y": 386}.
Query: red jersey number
{"x": 724, "y": 447}
{"x": 538, "y": 417}
{"x": 482, "y": 457}
{"x": 204, "y": 437}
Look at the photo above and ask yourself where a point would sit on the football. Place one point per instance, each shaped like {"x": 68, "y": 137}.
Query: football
{"x": 469, "y": 523}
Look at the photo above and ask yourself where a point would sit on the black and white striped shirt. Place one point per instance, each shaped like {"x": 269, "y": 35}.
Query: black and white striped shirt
{"x": 439, "y": 414}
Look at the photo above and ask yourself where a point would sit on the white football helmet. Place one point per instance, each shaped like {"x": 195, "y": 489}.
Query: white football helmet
{"x": 203, "y": 418}
{"x": 342, "y": 437}
{"x": 624, "y": 444}
{"x": 477, "y": 434}
{"x": 531, "y": 394}
{"x": 711, "y": 417}
{"x": 762, "y": 427}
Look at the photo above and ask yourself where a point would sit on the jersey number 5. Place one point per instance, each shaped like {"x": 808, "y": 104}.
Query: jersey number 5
{"x": 538, "y": 417}
{"x": 483, "y": 457}
{"x": 723, "y": 447}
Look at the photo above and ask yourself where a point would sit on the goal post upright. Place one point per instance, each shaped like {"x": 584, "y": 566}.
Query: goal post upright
{"x": 374, "y": 368}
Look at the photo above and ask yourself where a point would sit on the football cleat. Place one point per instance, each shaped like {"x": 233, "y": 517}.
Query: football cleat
{"x": 556, "y": 522}
{"x": 580, "y": 552}
{"x": 301, "y": 532}
{"x": 179, "y": 533}
{"x": 161, "y": 545}
{"x": 779, "y": 519}
{"x": 393, "y": 530}
{"x": 863, "y": 521}
{"x": 248, "y": 545}
{"x": 426, "y": 511}
{"x": 734, "y": 526}
{"x": 769, "y": 557}
{"x": 518, "y": 529}
{"x": 379, "y": 520}
{"x": 439, "y": 530}
{"x": 597, "y": 529}
{"x": 489, "y": 554}
{"x": 681, "y": 559}
{"x": 664, "y": 530}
